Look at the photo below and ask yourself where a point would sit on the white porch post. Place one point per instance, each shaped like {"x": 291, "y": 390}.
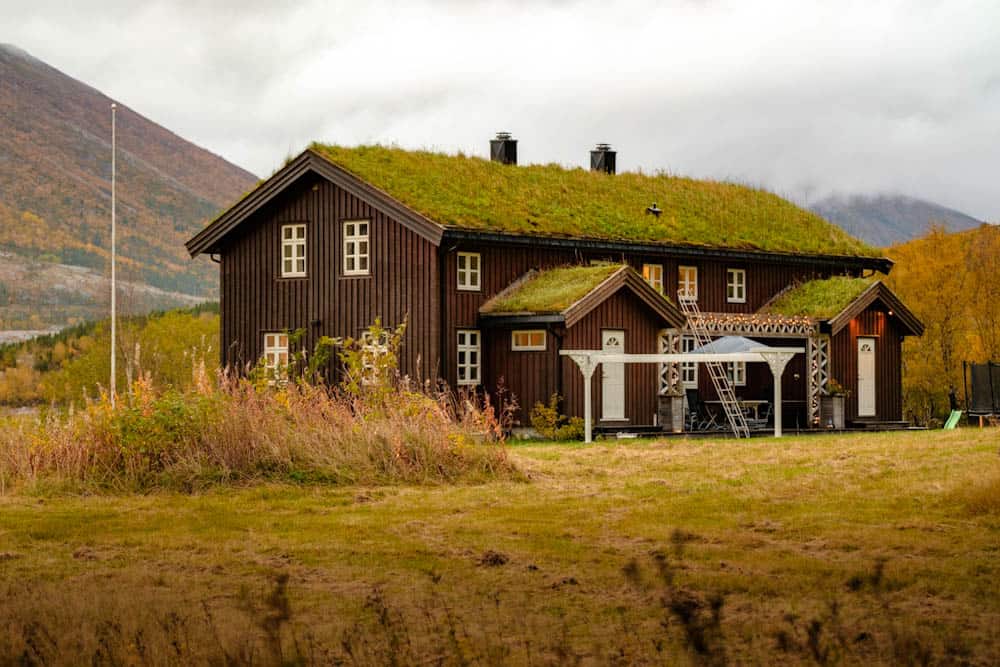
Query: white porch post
{"x": 777, "y": 362}
{"x": 587, "y": 367}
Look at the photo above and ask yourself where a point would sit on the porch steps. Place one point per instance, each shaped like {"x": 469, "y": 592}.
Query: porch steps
{"x": 716, "y": 370}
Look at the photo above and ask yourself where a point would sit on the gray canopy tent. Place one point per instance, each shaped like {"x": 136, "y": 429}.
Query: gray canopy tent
{"x": 726, "y": 349}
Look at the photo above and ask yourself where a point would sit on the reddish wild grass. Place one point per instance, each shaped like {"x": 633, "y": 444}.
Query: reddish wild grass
{"x": 240, "y": 431}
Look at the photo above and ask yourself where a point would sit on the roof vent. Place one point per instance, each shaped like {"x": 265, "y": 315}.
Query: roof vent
{"x": 602, "y": 158}
{"x": 503, "y": 149}
{"x": 654, "y": 209}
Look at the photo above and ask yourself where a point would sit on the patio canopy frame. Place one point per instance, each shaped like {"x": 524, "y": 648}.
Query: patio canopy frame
{"x": 587, "y": 361}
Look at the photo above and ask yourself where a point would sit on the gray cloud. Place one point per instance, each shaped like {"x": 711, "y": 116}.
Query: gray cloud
{"x": 803, "y": 97}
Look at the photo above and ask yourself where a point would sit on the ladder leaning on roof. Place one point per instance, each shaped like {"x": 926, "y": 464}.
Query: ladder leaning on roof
{"x": 716, "y": 371}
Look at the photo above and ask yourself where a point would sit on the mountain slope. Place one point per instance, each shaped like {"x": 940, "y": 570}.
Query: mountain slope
{"x": 884, "y": 220}
{"x": 55, "y": 186}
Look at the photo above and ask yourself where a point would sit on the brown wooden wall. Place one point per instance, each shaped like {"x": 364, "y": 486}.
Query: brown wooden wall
{"x": 403, "y": 279}
{"x": 626, "y": 312}
{"x": 501, "y": 265}
{"x": 530, "y": 376}
{"x": 874, "y": 321}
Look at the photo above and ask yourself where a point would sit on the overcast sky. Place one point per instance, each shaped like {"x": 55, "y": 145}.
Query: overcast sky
{"x": 802, "y": 97}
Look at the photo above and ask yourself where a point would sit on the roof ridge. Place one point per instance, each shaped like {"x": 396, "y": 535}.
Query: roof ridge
{"x": 622, "y": 267}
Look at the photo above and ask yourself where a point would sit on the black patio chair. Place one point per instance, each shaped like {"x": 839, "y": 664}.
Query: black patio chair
{"x": 698, "y": 417}
{"x": 762, "y": 418}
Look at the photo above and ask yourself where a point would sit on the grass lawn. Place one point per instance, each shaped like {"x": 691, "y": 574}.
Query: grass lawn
{"x": 858, "y": 549}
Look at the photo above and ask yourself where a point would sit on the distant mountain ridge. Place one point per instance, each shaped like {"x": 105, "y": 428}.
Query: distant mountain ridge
{"x": 885, "y": 220}
{"x": 55, "y": 203}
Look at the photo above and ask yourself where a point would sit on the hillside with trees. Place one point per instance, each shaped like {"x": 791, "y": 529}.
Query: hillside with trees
{"x": 952, "y": 283}
{"x": 72, "y": 364}
{"x": 55, "y": 192}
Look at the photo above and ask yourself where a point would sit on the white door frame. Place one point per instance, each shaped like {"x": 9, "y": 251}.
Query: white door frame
{"x": 867, "y": 390}
{"x": 613, "y": 377}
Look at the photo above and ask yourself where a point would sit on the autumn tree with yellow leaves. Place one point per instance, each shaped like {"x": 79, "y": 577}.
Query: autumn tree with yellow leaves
{"x": 952, "y": 283}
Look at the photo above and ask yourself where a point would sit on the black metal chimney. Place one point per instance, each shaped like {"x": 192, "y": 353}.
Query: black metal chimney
{"x": 503, "y": 149}
{"x": 602, "y": 158}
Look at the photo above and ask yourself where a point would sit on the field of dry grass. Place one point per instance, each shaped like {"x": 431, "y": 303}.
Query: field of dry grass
{"x": 824, "y": 549}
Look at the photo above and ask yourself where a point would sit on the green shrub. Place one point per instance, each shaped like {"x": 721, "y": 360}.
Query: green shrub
{"x": 551, "y": 425}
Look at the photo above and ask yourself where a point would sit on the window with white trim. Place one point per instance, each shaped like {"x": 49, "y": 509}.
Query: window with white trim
{"x": 468, "y": 271}
{"x": 276, "y": 356}
{"x": 737, "y": 372}
{"x": 687, "y": 282}
{"x": 468, "y": 357}
{"x": 356, "y": 247}
{"x": 653, "y": 273}
{"x": 526, "y": 340}
{"x": 372, "y": 350}
{"x": 736, "y": 286}
{"x": 293, "y": 251}
{"x": 689, "y": 369}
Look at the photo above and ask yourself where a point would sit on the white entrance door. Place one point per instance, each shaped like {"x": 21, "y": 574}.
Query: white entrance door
{"x": 866, "y": 377}
{"x": 613, "y": 377}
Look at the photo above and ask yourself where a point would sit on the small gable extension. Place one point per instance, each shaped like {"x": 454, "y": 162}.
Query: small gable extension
{"x": 569, "y": 293}
{"x": 838, "y": 300}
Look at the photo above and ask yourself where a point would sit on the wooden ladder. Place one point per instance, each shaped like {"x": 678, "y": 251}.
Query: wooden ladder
{"x": 720, "y": 379}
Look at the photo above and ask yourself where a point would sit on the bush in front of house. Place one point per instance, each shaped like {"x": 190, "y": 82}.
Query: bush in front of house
{"x": 553, "y": 425}
{"x": 239, "y": 430}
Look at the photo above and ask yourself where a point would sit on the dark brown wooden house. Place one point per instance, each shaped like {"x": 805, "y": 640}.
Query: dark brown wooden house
{"x": 497, "y": 267}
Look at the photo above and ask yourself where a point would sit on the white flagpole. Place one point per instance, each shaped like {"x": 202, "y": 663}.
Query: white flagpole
{"x": 113, "y": 285}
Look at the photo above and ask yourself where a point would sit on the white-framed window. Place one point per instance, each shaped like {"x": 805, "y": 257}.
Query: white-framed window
{"x": 468, "y": 271}
{"x": 372, "y": 350}
{"x": 356, "y": 247}
{"x": 653, "y": 273}
{"x": 529, "y": 339}
{"x": 689, "y": 369}
{"x": 468, "y": 357}
{"x": 687, "y": 282}
{"x": 293, "y": 251}
{"x": 737, "y": 372}
{"x": 736, "y": 286}
{"x": 276, "y": 355}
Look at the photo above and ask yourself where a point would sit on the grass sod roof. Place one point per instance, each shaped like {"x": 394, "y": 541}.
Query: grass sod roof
{"x": 550, "y": 291}
{"x": 819, "y": 299}
{"x": 466, "y": 192}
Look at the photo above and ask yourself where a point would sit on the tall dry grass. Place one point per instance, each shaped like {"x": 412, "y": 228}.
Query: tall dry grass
{"x": 237, "y": 431}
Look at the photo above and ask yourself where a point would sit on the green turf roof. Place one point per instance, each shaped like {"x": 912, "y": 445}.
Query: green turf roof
{"x": 819, "y": 299}
{"x": 465, "y": 192}
{"x": 552, "y": 290}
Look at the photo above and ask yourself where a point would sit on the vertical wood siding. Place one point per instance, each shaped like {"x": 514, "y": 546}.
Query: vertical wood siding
{"x": 403, "y": 281}
{"x": 528, "y": 376}
{"x": 876, "y": 322}
{"x": 502, "y": 265}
